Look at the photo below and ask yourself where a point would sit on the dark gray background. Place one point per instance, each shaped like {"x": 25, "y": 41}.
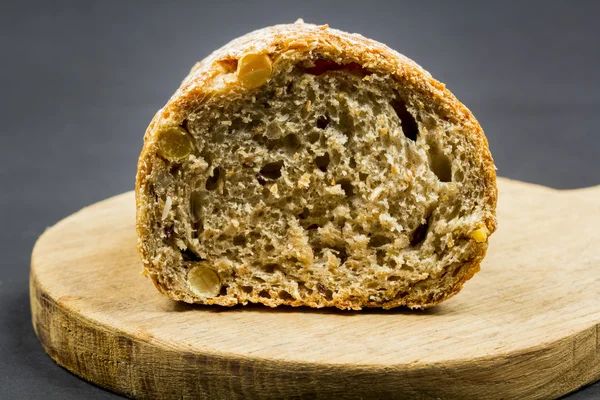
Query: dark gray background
{"x": 80, "y": 82}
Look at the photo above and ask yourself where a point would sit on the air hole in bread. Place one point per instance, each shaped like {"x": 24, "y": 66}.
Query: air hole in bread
{"x": 420, "y": 234}
{"x": 264, "y": 294}
{"x": 322, "y": 162}
{"x": 239, "y": 240}
{"x": 269, "y": 247}
{"x": 313, "y": 137}
{"x": 174, "y": 169}
{"x": 284, "y": 295}
{"x": 394, "y": 278}
{"x": 328, "y": 294}
{"x": 459, "y": 176}
{"x": 456, "y": 271}
{"x": 198, "y": 228}
{"x": 407, "y": 121}
{"x": 440, "y": 164}
{"x": 379, "y": 240}
{"x": 184, "y": 125}
{"x": 407, "y": 268}
{"x": 229, "y": 65}
{"x": 380, "y": 254}
{"x": 400, "y": 295}
{"x": 347, "y": 187}
{"x": 208, "y": 156}
{"x": 260, "y": 139}
{"x": 196, "y": 205}
{"x": 272, "y": 170}
{"x": 352, "y": 162}
{"x": 323, "y": 65}
{"x": 213, "y": 181}
{"x": 247, "y": 289}
{"x": 362, "y": 176}
{"x": 340, "y": 253}
{"x": 189, "y": 255}
{"x": 273, "y": 144}
{"x": 312, "y": 226}
{"x": 223, "y": 291}
{"x": 262, "y": 181}
{"x": 304, "y": 214}
{"x": 271, "y": 268}
{"x": 322, "y": 122}
{"x": 291, "y": 141}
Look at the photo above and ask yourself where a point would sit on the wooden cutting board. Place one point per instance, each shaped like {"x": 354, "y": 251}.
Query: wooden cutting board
{"x": 527, "y": 326}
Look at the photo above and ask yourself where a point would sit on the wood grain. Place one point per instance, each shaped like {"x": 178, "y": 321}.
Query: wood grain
{"x": 527, "y": 326}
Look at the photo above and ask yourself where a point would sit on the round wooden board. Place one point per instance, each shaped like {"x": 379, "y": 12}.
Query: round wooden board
{"x": 527, "y": 326}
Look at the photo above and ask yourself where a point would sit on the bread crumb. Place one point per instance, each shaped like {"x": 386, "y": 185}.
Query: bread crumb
{"x": 332, "y": 261}
{"x": 389, "y": 222}
{"x": 450, "y": 243}
{"x": 274, "y": 189}
{"x": 376, "y": 193}
{"x": 304, "y": 181}
{"x": 200, "y": 163}
{"x": 335, "y": 190}
{"x": 342, "y": 212}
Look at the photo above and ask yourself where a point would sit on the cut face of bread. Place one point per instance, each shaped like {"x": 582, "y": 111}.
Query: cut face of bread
{"x": 311, "y": 178}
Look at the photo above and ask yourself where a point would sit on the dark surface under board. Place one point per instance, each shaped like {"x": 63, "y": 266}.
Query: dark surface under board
{"x": 80, "y": 81}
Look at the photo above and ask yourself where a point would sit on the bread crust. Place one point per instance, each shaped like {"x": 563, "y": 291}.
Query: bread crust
{"x": 291, "y": 43}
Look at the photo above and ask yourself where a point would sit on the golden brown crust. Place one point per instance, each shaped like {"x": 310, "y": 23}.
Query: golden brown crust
{"x": 292, "y": 42}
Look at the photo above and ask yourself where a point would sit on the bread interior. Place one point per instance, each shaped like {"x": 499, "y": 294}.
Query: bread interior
{"x": 327, "y": 182}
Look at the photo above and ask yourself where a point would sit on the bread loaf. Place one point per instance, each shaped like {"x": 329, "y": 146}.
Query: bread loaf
{"x": 305, "y": 166}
